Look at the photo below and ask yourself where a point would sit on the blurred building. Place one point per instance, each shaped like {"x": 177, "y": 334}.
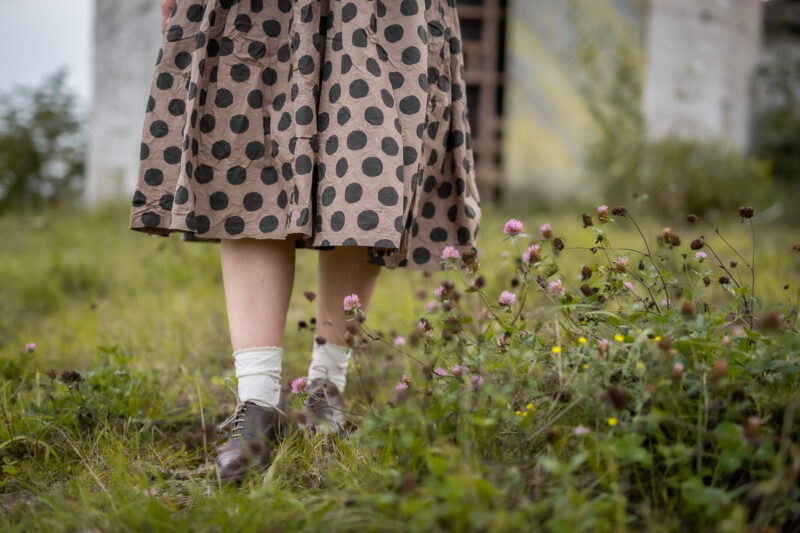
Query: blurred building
{"x": 537, "y": 71}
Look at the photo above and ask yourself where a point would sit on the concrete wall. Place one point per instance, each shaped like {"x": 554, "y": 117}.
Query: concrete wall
{"x": 700, "y": 70}
{"x": 127, "y": 37}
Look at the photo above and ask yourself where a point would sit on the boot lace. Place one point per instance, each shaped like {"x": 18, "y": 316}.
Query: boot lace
{"x": 237, "y": 417}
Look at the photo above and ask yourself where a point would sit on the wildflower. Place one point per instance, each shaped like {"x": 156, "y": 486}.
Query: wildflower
{"x": 432, "y": 305}
{"x": 587, "y": 220}
{"x": 620, "y": 211}
{"x": 558, "y": 244}
{"x": 619, "y": 338}
{"x": 726, "y": 341}
{"x": 512, "y": 227}
{"x": 483, "y": 313}
{"x": 299, "y": 385}
{"x": 450, "y": 252}
{"x": 657, "y": 338}
{"x": 621, "y": 264}
{"x": 529, "y": 407}
{"x": 546, "y": 231}
{"x": 719, "y": 370}
{"x": 640, "y": 365}
{"x": 555, "y": 287}
{"x": 580, "y": 430}
{"x": 752, "y": 427}
{"x": 677, "y": 370}
{"x": 666, "y": 232}
{"x": 30, "y": 346}
{"x": 52, "y": 374}
{"x": 585, "y": 366}
{"x": 440, "y": 372}
{"x": 531, "y": 255}
{"x": 697, "y": 244}
{"x": 746, "y": 212}
{"x": 439, "y": 290}
{"x": 351, "y": 301}
{"x": 70, "y": 376}
{"x": 508, "y": 298}
{"x": 401, "y": 386}
{"x": 582, "y": 340}
{"x": 603, "y": 346}
{"x": 628, "y": 285}
{"x": 664, "y": 302}
{"x": 612, "y": 422}
{"x": 700, "y": 255}
{"x": 476, "y": 382}
{"x": 457, "y": 370}
{"x": 518, "y": 412}
{"x": 602, "y": 212}
{"x": 556, "y": 349}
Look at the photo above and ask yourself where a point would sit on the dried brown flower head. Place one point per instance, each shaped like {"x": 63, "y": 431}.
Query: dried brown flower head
{"x": 586, "y": 289}
{"x": 687, "y": 309}
{"x": 697, "y": 244}
{"x": 558, "y": 244}
{"x": 620, "y": 211}
{"x": 586, "y": 273}
{"x": 692, "y": 218}
{"x": 617, "y": 397}
{"x": 746, "y": 212}
{"x": 724, "y": 280}
{"x": 310, "y": 295}
{"x": 587, "y": 220}
{"x": 706, "y": 281}
{"x": 320, "y": 340}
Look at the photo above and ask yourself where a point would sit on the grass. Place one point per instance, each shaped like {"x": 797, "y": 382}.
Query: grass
{"x": 142, "y": 319}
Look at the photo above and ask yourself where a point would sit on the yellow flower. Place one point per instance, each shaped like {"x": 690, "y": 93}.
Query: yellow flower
{"x": 518, "y": 412}
{"x": 556, "y": 349}
{"x": 582, "y": 340}
{"x": 525, "y": 413}
{"x": 585, "y": 366}
{"x": 619, "y": 338}
{"x": 612, "y": 422}
{"x": 658, "y": 338}
{"x": 529, "y": 406}
{"x": 639, "y": 365}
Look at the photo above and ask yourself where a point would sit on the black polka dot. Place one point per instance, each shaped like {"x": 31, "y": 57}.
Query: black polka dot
{"x": 349, "y": 12}
{"x": 306, "y": 65}
{"x": 240, "y": 72}
{"x": 374, "y": 116}
{"x": 257, "y": 50}
{"x": 255, "y": 150}
{"x": 236, "y": 175}
{"x": 172, "y": 155}
{"x": 239, "y": 124}
{"x": 159, "y": 128}
{"x": 164, "y": 81}
{"x": 234, "y": 225}
{"x": 368, "y": 220}
{"x": 347, "y": 63}
{"x": 255, "y": 99}
{"x": 352, "y": 193}
{"x": 409, "y": 105}
{"x": 438, "y": 235}
{"x": 224, "y": 98}
{"x": 252, "y": 201}
{"x": 272, "y": 28}
{"x": 410, "y": 56}
{"x": 360, "y": 38}
{"x": 304, "y": 115}
{"x": 269, "y": 176}
{"x": 396, "y": 79}
{"x": 335, "y": 93}
{"x": 218, "y": 200}
{"x": 332, "y": 145}
{"x": 151, "y": 219}
{"x": 341, "y": 167}
{"x": 389, "y": 146}
{"x": 393, "y": 33}
{"x": 268, "y": 223}
{"x": 203, "y": 174}
{"x": 356, "y": 140}
{"x": 359, "y": 88}
{"x": 373, "y": 67}
{"x": 372, "y": 167}
{"x": 328, "y": 195}
{"x": 153, "y": 177}
{"x": 302, "y": 220}
{"x": 303, "y": 164}
{"x": 421, "y": 255}
{"x": 269, "y": 76}
{"x": 343, "y": 116}
{"x": 428, "y": 210}
{"x": 387, "y": 196}
{"x": 337, "y": 221}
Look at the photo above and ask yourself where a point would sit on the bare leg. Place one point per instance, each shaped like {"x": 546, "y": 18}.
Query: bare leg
{"x": 258, "y": 275}
{"x": 342, "y": 271}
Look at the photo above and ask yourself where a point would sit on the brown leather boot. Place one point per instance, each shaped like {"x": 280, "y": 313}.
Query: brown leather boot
{"x": 253, "y": 435}
{"x": 323, "y": 408}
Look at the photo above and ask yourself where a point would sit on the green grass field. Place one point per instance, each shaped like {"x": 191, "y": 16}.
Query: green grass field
{"x": 142, "y": 318}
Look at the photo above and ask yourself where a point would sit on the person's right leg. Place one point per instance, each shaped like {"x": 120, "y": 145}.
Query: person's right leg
{"x": 257, "y": 277}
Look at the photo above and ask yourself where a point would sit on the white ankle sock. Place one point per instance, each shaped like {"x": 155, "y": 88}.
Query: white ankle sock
{"x": 258, "y": 371}
{"x": 330, "y": 361}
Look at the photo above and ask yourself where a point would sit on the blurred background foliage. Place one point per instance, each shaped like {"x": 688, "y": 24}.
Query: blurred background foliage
{"x": 42, "y": 145}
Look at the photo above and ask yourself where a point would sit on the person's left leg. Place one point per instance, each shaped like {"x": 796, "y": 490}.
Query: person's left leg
{"x": 342, "y": 271}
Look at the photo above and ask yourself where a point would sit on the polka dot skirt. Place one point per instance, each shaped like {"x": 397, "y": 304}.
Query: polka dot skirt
{"x": 331, "y": 122}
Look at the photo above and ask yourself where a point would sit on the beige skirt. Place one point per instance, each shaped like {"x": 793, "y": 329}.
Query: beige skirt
{"x": 330, "y": 122}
